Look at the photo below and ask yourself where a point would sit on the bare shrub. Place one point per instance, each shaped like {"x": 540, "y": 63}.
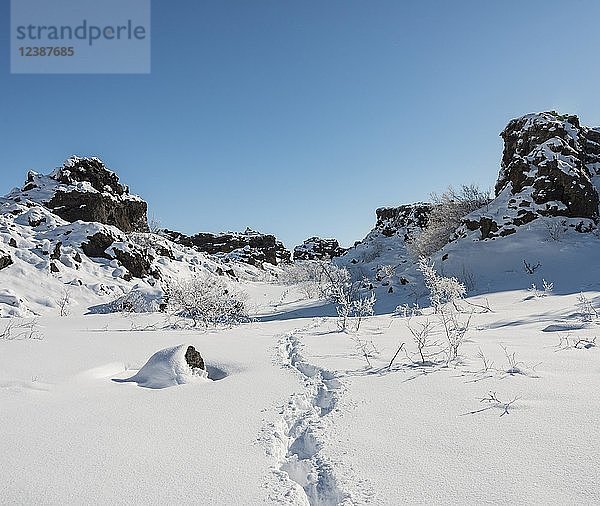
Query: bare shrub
{"x": 442, "y": 290}
{"x": 530, "y": 267}
{"x": 537, "y": 293}
{"x": 314, "y": 278}
{"x": 493, "y": 401}
{"x": 587, "y": 311}
{"x": 19, "y": 330}
{"x": 449, "y": 209}
{"x": 408, "y": 311}
{"x": 63, "y": 302}
{"x": 422, "y": 335}
{"x": 556, "y": 229}
{"x": 207, "y": 301}
{"x": 567, "y": 342}
{"x": 455, "y": 331}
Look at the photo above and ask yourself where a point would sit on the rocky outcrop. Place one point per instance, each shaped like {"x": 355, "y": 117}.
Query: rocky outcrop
{"x": 316, "y": 248}
{"x": 379, "y": 255}
{"x": 104, "y": 244}
{"x": 250, "y": 247}
{"x": 407, "y": 219}
{"x": 550, "y": 167}
{"x": 84, "y": 189}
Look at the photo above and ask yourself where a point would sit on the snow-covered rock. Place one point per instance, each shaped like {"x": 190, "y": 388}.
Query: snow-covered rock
{"x": 84, "y": 189}
{"x": 170, "y": 367}
{"x": 550, "y": 168}
{"x": 383, "y": 251}
{"x": 43, "y": 255}
{"x": 250, "y": 247}
{"x": 316, "y": 248}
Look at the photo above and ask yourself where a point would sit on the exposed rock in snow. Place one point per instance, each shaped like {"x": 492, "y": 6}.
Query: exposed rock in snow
{"x": 84, "y": 189}
{"x": 42, "y": 255}
{"x": 250, "y": 247}
{"x": 5, "y": 260}
{"x": 406, "y": 220}
{"x": 549, "y": 168}
{"x": 170, "y": 367}
{"x": 316, "y": 248}
{"x": 194, "y": 359}
{"x": 381, "y": 254}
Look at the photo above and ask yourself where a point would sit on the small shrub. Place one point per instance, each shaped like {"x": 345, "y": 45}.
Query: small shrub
{"x": 587, "y": 311}
{"x": 206, "y": 300}
{"x": 446, "y": 216}
{"x": 442, "y": 290}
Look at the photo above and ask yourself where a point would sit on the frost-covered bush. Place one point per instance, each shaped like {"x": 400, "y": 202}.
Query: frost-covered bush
{"x": 206, "y": 300}
{"x": 317, "y": 279}
{"x": 408, "y": 311}
{"x": 448, "y": 211}
{"x": 442, "y": 290}
{"x": 587, "y": 311}
{"x": 353, "y": 309}
{"x": 537, "y": 293}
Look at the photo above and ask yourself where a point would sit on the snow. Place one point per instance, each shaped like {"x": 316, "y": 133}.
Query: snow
{"x": 166, "y": 368}
{"x": 293, "y": 414}
{"x": 99, "y": 405}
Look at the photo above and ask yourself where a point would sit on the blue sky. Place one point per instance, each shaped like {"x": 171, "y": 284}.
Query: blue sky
{"x": 301, "y": 118}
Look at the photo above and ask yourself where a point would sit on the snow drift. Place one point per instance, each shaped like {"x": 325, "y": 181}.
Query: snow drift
{"x": 167, "y": 368}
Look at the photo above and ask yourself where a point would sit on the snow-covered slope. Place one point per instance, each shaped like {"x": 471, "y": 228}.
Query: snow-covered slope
{"x": 45, "y": 258}
{"x": 543, "y": 218}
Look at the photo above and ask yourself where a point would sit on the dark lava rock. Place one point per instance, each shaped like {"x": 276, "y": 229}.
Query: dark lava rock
{"x": 549, "y": 165}
{"x": 249, "y": 246}
{"x": 127, "y": 215}
{"x": 136, "y": 260}
{"x": 406, "y": 219}
{"x": 5, "y": 260}
{"x": 55, "y": 255}
{"x": 316, "y": 248}
{"x": 544, "y": 152}
{"x": 137, "y": 263}
{"x": 109, "y": 202}
{"x": 97, "y": 244}
{"x": 91, "y": 170}
{"x": 194, "y": 359}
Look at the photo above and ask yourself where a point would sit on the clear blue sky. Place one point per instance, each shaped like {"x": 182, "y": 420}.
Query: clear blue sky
{"x": 301, "y": 117}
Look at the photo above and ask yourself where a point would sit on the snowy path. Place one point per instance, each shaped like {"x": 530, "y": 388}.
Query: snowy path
{"x": 300, "y": 439}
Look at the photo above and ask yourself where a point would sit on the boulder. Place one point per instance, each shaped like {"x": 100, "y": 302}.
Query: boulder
{"x": 126, "y": 215}
{"x": 103, "y": 244}
{"x": 5, "y": 260}
{"x": 194, "y": 359}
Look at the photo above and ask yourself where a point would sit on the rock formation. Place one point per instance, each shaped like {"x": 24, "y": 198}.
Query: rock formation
{"x": 250, "y": 247}
{"x": 316, "y": 248}
{"x": 84, "y": 189}
{"x": 550, "y": 167}
{"x": 407, "y": 219}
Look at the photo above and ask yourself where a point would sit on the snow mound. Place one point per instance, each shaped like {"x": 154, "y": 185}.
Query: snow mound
{"x": 167, "y": 368}
{"x": 141, "y": 299}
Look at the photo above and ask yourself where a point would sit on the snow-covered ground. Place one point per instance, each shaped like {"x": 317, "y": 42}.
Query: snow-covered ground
{"x": 295, "y": 415}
